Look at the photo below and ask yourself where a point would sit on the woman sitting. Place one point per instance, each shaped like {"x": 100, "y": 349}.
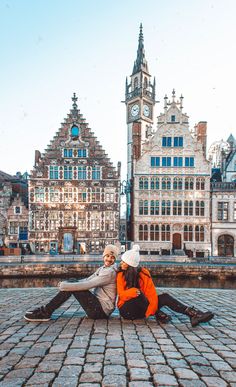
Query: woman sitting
{"x": 137, "y": 296}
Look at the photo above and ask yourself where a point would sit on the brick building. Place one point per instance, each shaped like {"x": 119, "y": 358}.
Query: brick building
{"x": 73, "y": 192}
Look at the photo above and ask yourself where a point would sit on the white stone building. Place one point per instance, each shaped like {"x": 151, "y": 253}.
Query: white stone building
{"x": 171, "y": 187}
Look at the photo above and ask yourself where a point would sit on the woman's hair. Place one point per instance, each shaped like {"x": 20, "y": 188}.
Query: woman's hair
{"x": 131, "y": 276}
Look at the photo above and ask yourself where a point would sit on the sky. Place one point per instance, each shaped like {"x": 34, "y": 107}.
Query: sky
{"x": 53, "y": 48}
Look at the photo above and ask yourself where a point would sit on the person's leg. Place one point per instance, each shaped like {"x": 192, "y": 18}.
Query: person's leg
{"x": 43, "y": 313}
{"x": 90, "y": 304}
{"x": 196, "y": 316}
{"x": 134, "y": 308}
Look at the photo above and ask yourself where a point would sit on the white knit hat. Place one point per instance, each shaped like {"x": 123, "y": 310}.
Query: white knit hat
{"x": 132, "y": 257}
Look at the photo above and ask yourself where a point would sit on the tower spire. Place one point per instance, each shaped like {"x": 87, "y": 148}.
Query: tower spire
{"x": 140, "y": 62}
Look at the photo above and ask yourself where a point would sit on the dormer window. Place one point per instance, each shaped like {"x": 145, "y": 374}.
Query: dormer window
{"x": 17, "y": 210}
{"x": 74, "y": 132}
{"x": 173, "y": 118}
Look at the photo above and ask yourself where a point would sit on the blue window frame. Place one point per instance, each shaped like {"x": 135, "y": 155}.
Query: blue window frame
{"x": 53, "y": 172}
{"x": 166, "y": 162}
{"x": 155, "y": 161}
{"x": 173, "y": 118}
{"x": 189, "y": 161}
{"x": 178, "y": 141}
{"x": 82, "y": 173}
{"x": 166, "y": 141}
{"x": 178, "y": 161}
{"x": 96, "y": 173}
{"x": 67, "y": 172}
{"x": 68, "y": 152}
{"x": 74, "y": 131}
{"x": 82, "y": 153}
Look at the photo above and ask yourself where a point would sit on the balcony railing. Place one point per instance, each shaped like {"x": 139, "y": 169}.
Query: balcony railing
{"x": 223, "y": 186}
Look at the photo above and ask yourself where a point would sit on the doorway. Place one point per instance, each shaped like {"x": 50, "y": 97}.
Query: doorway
{"x": 177, "y": 245}
{"x": 225, "y": 246}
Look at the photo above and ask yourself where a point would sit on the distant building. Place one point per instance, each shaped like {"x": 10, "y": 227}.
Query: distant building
{"x": 73, "y": 192}
{"x": 223, "y": 197}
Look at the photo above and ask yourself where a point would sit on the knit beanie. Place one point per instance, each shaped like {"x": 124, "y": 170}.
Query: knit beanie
{"x": 132, "y": 257}
{"x": 111, "y": 249}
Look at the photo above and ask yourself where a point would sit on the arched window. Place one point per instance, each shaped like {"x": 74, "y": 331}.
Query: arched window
{"x": 143, "y": 183}
{"x": 200, "y": 208}
{"x": 165, "y": 232}
{"x": 154, "y": 232}
{"x": 188, "y": 233}
{"x": 188, "y": 207}
{"x": 154, "y": 208}
{"x": 200, "y": 184}
{"x": 166, "y": 183}
{"x": 143, "y": 207}
{"x": 135, "y": 82}
{"x": 199, "y": 234}
{"x": 165, "y": 207}
{"x": 188, "y": 183}
{"x": 145, "y": 83}
{"x": 143, "y": 232}
{"x": 74, "y": 131}
{"x": 177, "y": 184}
{"x": 154, "y": 183}
{"x": 177, "y": 207}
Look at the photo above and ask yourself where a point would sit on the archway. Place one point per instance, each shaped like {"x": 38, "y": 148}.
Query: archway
{"x": 226, "y": 246}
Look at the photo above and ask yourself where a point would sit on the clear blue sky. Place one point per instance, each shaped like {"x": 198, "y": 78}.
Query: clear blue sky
{"x": 52, "y": 48}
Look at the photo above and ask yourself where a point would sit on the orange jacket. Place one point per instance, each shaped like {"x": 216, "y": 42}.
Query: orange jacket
{"x": 146, "y": 286}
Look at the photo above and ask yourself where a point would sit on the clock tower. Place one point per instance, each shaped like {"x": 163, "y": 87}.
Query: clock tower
{"x": 140, "y": 101}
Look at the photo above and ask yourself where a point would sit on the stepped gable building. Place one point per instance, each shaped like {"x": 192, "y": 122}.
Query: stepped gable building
{"x": 223, "y": 196}
{"x": 73, "y": 192}
{"x": 17, "y": 225}
{"x": 168, "y": 176}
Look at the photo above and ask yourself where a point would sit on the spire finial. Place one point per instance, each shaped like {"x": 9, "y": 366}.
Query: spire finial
{"x": 173, "y": 95}
{"x": 74, "y": 100}
{"x": 140, "y": 62}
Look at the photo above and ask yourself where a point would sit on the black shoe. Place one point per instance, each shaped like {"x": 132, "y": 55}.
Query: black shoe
{"x": 197, "y": 317}
{"x": 162, "y": 317}
{"x": 39, "y": 314}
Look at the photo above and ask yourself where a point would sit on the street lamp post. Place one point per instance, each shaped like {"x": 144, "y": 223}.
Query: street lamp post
{"x": 126, "y": 190}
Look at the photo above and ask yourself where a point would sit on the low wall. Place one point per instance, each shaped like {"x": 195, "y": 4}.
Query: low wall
{"x": 216, "y": 271}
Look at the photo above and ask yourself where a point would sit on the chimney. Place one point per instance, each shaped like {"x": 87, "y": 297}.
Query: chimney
{"x": 201, "y": 134}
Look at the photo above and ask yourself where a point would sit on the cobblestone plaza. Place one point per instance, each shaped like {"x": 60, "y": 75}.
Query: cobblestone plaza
{"x": 72, "y": 350}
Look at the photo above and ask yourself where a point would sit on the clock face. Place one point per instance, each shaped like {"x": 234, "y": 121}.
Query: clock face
{"x": 134, "y": 110}
{"x": 146, "y": 110}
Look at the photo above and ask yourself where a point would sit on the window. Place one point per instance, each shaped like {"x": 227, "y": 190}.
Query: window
{"x": 68, "y": 152}
{"x": 39, "y": 194}
{"x": 154, "y": 232}
{"x": 177, "y": 184}
{"x": 17, "y": 210}
{"x": 189, "y": 161}
{"x": 143, "y": 232}
{"x": 165, "y": 207}
{"x": 199, "y": 234}
{"x": 95, "y": 195}
{"x": 110, "y": 196}
{"x": 54, "y": 195}
{"x": 154, "y": 208}
{"x": 188, "y": 183}
{"x": 200, "y": 184}
{"x": 74, "y": 132}
{"x": 199, "y": 208}
{"x": 109, "y": 221}
{"x": 68, "y": 219}
{"x": 223, "y": 209}
{"x": 81, "y": 223}
{"x": 178, "y": 161}
{"x": 177, "y": 207}
{"x": 96, "y": 173}
{"x": 166, "y": 141}
{"x": 82, "y": 152}
{"x": 53, "y": 220}
{"x": 155, "y": 161}
{"x": 188, "y": 233}
{"x": 82, "y": 173}
{"x": 67, "y": 172}
{"x": 173, "y": 118}
{"x": 165, "y": 232}
{"x": 95, "y": 221}
{"x": 82, "y": 195}
{"x": 178, "y": 141}
{"x": 166, "y": 183}
{"x": 188, "y": 208}
{"x": 68, "y": 195}
{"x": 143, "y": 183}
{"x": 135, "y": 82}
{"x": 143, "y": 207}
{"x": 13, "y": 229}
{"x": 154, "y": 183}
{"x": 53, "y": 172}
{"x": 166, "y": 161}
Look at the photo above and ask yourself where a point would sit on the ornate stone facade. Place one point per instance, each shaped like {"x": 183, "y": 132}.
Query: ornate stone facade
{"x": 17, "y": 225}
{"x": 73, "y": 192}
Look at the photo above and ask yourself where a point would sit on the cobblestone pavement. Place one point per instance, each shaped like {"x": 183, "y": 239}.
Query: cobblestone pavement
{"x": 72, "y": 350}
